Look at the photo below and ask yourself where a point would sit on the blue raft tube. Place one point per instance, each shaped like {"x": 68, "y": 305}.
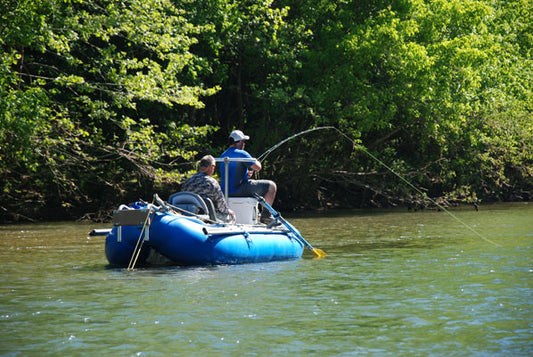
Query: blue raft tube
{"x": 145, "y": 234}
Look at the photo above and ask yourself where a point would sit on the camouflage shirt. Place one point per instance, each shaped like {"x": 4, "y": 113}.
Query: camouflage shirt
{"x": 206, "y": 186}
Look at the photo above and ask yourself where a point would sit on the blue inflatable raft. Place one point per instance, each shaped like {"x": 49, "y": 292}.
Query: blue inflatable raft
{"x": 181, "y": 233}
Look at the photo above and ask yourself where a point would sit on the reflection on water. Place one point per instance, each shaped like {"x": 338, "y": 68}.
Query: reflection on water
{"x": 394, "y": 283}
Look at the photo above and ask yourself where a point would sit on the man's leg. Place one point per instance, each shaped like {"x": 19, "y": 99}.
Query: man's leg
{"x": 270, "y": 196}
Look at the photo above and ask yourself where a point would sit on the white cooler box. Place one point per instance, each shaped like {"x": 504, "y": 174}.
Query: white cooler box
{"x": 246, "y": 209}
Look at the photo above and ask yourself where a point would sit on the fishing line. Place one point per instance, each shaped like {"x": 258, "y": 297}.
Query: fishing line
{"x": 362, "y": 148}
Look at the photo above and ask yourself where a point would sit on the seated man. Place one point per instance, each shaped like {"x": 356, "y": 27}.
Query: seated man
{"x": 239, "y": 173}
{"x": 206, "y": 186}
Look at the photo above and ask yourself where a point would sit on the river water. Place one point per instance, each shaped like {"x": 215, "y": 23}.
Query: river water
{"x": 394, "y": 283}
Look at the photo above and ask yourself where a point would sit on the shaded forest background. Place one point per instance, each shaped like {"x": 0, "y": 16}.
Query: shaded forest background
{"x": 105, "y": 102}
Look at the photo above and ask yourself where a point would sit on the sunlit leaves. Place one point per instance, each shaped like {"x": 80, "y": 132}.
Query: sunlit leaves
{"x": 421, "y": 79}
{"x": 104, "y": 98}
{"x": 72, "y": 79}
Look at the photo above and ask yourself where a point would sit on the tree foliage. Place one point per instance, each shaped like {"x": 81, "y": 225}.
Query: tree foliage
{"x": 89, "y": 97}
{"x": 106, "y": 101}
{"x": 419, "y": 83}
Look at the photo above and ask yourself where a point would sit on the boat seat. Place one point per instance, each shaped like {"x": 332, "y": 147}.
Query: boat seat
{"x": 193, "y": 203}
{"x": 210, "y": 208}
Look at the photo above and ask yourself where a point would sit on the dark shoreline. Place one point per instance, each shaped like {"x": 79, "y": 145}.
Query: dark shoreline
{"x": 104, "y": 216}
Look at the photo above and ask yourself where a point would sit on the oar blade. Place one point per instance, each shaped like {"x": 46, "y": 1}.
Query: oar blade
{"x": 319, "y": 253}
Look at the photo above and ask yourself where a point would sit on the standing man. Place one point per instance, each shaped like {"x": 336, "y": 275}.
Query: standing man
{"x": 239, "y": 173}
{"x": 206, "y": 186}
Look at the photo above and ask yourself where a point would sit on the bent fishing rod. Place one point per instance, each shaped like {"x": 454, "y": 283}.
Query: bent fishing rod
{"x": 373, "y": 157}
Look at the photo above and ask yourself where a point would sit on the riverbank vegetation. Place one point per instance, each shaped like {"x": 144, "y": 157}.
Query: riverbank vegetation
{"x": 106, "y": 102}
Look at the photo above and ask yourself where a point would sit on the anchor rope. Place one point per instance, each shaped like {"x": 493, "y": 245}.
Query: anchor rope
{"x": 137, "y": 250}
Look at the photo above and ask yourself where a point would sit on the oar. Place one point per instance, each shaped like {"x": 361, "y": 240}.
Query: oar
{"x": 319, "y": 253}
{"x": 100, "y": 232}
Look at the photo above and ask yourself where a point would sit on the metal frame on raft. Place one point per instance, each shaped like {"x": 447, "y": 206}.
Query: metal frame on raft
{"x": 226, "y": 160}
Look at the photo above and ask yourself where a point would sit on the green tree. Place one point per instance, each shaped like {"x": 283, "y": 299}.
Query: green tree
{"x": 251, "y": 49}
{"x": 91, "y": 98}
{"x": 416, "y": 82}
{"x": 104, "y": 101}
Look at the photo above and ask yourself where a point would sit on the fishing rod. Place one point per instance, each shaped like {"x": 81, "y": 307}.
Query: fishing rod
{"x": 357, "y": 146}
{"x": 266, "y": 153}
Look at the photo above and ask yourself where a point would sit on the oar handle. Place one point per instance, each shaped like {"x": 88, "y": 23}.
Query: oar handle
{"x": 277, "y": 215}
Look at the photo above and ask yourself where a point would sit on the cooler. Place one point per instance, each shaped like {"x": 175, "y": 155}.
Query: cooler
{"x": 245, "y": 208}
